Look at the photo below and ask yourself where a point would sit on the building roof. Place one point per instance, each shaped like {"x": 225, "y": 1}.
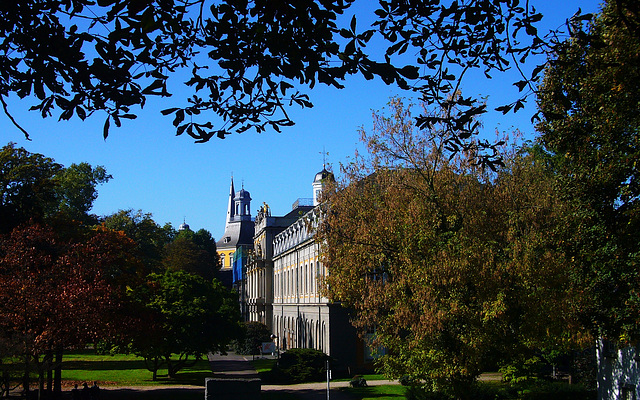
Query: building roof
{"x": 237, "y": 233}
{"x": 323, "y": 175}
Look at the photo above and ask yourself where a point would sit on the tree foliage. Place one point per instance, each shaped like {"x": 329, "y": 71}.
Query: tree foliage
{"x": 193, "y": 252}
{"x": 185, "y": 318}
{"x": 27, "y": 186}
{"x": 57, "y": 294}
{"x": 35, "y": 187}
{"x": 76, "y": 190}
{"x": 249, "y": 62}
{"x": 254, "y": 334}
{"x": 454, "y": 267}
{"x": 589, "y": 123}
{"x": 149, "y": 236}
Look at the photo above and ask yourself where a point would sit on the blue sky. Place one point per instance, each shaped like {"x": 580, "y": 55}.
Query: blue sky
{"x": 174, "y": 179}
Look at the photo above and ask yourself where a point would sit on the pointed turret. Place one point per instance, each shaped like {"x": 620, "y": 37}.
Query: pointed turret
{"x": 230, "y": 208}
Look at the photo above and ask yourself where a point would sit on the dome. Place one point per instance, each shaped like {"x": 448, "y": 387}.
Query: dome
{"x": 323, "y": 175}
{"x": 183, "y": 227}
{"x": 243, "y": 194}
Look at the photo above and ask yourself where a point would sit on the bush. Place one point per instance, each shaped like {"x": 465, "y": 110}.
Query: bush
{"x": 418, "y": 392}
{"x": 358, "y": 381}
{"x": 538, "y": 390}
{"x": 298, "y": 366}
{"x": 522, "y": 370}
{"x": 556, "y": 391}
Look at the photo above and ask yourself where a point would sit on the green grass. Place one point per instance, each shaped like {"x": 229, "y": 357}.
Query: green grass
{"x": 125, "y": 370}
{"x": 263, "y": 364}
{"x": 368, "y": 377}
{"x": 383, "y": 392}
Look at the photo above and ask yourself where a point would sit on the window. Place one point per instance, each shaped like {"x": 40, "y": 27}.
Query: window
{"x": 222, "y": 259}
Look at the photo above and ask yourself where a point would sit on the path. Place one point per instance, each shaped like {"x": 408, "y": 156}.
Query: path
{"x": 234, "y": 365}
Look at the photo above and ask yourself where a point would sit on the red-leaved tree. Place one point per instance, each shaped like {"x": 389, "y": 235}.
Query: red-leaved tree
{"x": 57, "y": 294}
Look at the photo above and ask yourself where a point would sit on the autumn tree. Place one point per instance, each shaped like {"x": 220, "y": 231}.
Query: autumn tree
{"x": 187, "y": 317}
{"x": 56, "y": 294}
{"x": 453, "y": 266}
{"x": 589, "y": 123}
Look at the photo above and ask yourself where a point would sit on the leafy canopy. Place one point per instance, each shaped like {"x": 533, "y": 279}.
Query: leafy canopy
{"x": 186, "y": 317}
{"x": 454, "y": 268}
{"x": 248, "y": 62}
{"x": 589, "y": 124}
{"x": 33, "y": 186}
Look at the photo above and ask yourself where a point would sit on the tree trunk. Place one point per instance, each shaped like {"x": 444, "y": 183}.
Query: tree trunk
{"x": 49, "y": 376}
{"x": 25, "y": 377}
{"x": 57, "y": 378}
{"x": 40, "y": 382}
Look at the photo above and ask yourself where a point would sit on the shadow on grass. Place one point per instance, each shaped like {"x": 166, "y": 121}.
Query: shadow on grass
{"x": 190, "y": 378}
{"x": 104, "y": 365}
{"x": 153, "y": 394}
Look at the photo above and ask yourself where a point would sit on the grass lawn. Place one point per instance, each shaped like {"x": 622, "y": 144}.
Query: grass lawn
{"x": 263, "y": 364}
{"x": 383, "y": 392}
{"x": 367, "y": 377}
{"x": 124, "y": 370}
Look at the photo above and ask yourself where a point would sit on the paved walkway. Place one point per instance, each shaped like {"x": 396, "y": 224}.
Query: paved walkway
{"x": 237, "y": 366}
{"x": 232, "y": 365}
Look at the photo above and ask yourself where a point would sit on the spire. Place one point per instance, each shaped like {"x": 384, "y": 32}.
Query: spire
{"x": 230, "y": 209}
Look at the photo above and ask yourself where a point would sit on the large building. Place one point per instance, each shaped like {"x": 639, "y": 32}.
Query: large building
{"x": 283, "y": 284}
{"x": 618, "y": 371}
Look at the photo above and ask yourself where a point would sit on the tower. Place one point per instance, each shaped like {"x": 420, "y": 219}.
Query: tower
{"x": 238, "y": 234}
{"x": 319, "y": 182}
{"x": 242, "y": 206}
{"x": 230, "y": 208}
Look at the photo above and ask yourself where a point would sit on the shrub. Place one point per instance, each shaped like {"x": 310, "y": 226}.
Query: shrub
{"x": 298, "y": 366}
{"x": 358, "y": 381}
{"x": 556, "y": 391}
{"x": 532, "y": 390}
{"x": 522, "y": 370}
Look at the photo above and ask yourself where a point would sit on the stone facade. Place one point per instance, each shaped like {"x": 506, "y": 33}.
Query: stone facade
{"x": 618, "y": 372}
{"x": 284, "y": 279}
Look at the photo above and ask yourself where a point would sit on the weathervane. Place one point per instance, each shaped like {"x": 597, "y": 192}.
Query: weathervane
{"x": 324, "y": 157}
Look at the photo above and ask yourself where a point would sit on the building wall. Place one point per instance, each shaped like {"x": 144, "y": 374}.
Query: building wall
{"x": 284, "y": 287}
{"x": 618, "y": 372}
{"x": 302, "y": 316}
{"x": 226, "y": 257}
